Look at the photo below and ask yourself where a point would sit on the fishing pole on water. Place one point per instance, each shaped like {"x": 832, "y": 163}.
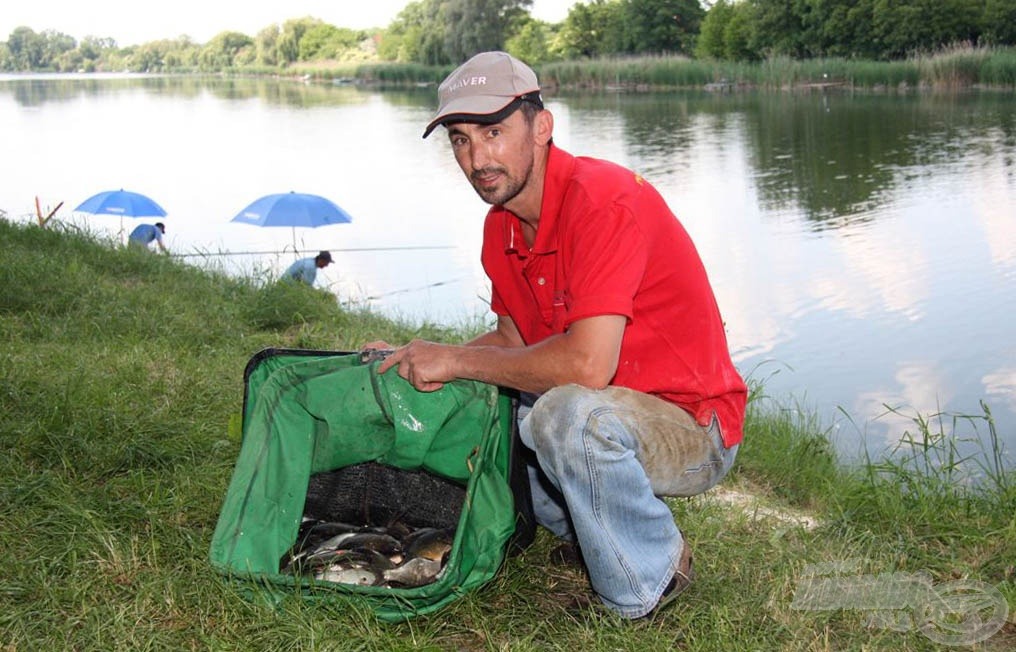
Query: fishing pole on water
{"x": 416, "y": 289}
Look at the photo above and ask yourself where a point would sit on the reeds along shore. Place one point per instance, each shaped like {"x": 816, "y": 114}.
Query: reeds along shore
{"x": 954, "y": 68}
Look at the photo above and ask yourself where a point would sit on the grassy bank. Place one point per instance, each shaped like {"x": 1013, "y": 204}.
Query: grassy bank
{"x": 121, "y": 372}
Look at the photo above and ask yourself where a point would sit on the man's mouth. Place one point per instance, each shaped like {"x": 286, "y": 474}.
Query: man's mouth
{"x": 486, "y": 178}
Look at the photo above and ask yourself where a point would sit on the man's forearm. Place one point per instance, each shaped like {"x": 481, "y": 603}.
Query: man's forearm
{"x": 557, "y": 360}
{"x": 587, "y": 354}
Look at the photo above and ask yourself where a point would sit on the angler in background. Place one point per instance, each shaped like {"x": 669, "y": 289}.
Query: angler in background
{"x": 305, "y": 270}
{"x": 144, "y": 234}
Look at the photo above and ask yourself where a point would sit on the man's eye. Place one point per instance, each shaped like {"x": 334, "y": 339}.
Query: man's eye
{"x": 494, "y": 133}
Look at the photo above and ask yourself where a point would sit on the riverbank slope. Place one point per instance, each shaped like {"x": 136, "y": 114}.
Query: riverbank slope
{"x": 120, "y": 392}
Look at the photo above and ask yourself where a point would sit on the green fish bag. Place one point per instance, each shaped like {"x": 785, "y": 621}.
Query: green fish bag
{"x": 308, "y": 414}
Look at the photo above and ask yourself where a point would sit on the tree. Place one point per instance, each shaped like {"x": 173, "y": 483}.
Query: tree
{"x": 660, "y": 25}
{"x": 593, "y": 29}
{"x": 777, "y": 28}
{"x": 92, "y": 47}
{"x": 474, "y": 26}
{"x": 225, "y": 50}
{"x": 906, "y": 27}
{"x": 710, "y": 41}
{"x": 739, "y": 34}
{"x": 417, "y": 34}
{"x": 531, "y": 43}
{"x": 840, "y": 28}
{"x": 999, "y": 24}
{"x": 26, "y": 49}
{"x": 324, "y": 41}
{"x": 266, "y": 44}
{"x": 56, "y": 44}
{"x": 288, "y": 44}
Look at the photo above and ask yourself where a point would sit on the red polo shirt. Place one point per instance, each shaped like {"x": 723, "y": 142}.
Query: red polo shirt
{"x": 607, "y": 244}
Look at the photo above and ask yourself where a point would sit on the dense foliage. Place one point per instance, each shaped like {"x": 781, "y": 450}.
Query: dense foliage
{"x": 870, "y": 29}
{"x": 445, "y": 32}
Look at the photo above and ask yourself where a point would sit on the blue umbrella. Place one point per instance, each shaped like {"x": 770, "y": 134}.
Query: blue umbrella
{"x": 121, "y": 202}
{"x": 292, "y": 209}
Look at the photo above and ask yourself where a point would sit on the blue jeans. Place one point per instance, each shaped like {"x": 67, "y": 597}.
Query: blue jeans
{"x": 605, "y": 457}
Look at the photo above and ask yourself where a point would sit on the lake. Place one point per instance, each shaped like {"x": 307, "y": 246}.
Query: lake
{"x": 862, "y": 247}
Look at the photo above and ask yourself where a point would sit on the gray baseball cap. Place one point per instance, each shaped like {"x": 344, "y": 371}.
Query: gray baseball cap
{"x": 485, "y": 90}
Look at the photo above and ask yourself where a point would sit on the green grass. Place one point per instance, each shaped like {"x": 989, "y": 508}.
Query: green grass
{"x": 120, "y": 387}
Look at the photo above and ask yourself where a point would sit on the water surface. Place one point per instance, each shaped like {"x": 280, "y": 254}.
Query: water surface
{"x": 862, "y": 247}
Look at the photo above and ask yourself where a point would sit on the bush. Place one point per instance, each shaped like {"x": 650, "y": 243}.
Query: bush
{"x": 278, "y": 306}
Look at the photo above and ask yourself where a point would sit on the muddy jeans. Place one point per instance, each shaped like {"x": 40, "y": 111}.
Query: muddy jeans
{"x": 604, "y": 458}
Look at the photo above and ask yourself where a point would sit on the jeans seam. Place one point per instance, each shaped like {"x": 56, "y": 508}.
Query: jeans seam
{"x": 595, "y": 414}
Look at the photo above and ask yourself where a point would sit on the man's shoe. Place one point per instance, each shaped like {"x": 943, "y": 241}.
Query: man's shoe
{"x": 683, "y": 577}
{"x": 566, "y": 554}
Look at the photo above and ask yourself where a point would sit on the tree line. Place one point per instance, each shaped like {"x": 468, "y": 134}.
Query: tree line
{"x": 445, "y": 32}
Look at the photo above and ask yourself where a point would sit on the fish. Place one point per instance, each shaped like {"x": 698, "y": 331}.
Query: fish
{"x": 412, "y": 573}
{"x": 394, "y": 555}
{"x": 430, "y": 543}
{"x": 383, "y": 543}
{"x": 341, "y": 574}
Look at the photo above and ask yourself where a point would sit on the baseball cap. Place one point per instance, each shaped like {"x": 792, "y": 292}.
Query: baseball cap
{"x": 325, "y": 256}
{"x": 485, "y": 90}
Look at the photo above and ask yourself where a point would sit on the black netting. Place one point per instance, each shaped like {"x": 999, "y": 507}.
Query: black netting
{"x": 374, "y": 494}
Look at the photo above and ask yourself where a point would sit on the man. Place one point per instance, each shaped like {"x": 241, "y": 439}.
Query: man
{"x": 144, "y": 234}
{"x": 607, "y": 325}
{"x": 305, "y": 269}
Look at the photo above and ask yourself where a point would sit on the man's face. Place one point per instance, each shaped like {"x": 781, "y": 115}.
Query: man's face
{"x": 497, "y": 159}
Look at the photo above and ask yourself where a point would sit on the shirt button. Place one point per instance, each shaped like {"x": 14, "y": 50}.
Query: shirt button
{"x": 541, "y": 281}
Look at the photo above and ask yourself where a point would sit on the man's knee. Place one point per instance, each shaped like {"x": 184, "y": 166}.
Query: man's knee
{"x": 558, "y": 411}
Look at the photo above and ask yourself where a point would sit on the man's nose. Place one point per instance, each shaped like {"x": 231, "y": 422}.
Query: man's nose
{"x": 479, "y": 156}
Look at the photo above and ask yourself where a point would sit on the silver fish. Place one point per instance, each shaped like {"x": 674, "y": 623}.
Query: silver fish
{"x": 342, "y": 574}
{"x": 415, "y": 572}
{"x": 383, "y": 543}
{"x": 333, "y": 543}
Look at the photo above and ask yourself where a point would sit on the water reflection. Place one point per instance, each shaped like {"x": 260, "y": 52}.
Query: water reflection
{"x": 38, "y": 89}
{"x": 862, "y": 247}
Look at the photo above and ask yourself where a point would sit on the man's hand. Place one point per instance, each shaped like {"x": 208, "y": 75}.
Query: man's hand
{"x": 426, "y": 365}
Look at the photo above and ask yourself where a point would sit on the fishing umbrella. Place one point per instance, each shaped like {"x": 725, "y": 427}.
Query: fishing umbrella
{"x": 292, "y": 209}
{"x": 121, "y": 202}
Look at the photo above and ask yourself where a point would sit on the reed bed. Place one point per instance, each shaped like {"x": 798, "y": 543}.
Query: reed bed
{"x": 958, "y": 67}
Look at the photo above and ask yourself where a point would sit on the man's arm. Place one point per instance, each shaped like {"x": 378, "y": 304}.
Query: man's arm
{"x": 505, "y": 334}
{"x": 586, "y": 354}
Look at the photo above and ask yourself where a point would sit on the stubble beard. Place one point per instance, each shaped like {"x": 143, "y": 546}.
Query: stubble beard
{"x": 501, "y": 195}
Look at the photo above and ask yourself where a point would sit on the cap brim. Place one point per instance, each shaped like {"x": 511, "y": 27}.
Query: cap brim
{"x": 471, "y": 109}
{"x": 477, "y": 117}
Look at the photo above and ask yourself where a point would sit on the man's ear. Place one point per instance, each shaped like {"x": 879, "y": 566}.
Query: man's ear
{"x": 543, "y": 127}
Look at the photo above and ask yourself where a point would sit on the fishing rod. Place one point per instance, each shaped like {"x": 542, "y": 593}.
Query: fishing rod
{"x": 416, "y": 289}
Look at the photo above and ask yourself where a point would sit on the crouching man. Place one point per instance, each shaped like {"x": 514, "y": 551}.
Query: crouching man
{"x": 607, "y": 324}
